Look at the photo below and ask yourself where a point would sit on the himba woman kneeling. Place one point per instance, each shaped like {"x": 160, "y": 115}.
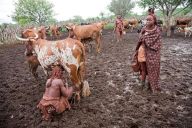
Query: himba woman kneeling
{"x": 149, "y": 52}
{"x": 55, "y": 98}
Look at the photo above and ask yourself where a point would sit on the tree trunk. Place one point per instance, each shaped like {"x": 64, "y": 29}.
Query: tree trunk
{"x": 168, "y": 25}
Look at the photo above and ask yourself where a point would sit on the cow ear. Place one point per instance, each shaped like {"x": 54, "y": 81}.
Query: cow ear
{"x": 73, "y": 27}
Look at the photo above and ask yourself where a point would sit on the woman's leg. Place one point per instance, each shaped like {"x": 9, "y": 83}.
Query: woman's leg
{"x": 118, "y": 35}
{"x": 143, "y": 73}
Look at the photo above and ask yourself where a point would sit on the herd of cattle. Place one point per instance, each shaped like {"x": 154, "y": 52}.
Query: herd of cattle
{"x": 70, "y": 52}
{"x": 183, "y": 25}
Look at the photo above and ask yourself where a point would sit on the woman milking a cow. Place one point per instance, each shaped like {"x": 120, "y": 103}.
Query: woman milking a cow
{"x": 148, "y": 53}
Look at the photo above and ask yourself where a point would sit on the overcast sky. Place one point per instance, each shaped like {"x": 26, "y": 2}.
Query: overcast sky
{"x": 64, "y": 9}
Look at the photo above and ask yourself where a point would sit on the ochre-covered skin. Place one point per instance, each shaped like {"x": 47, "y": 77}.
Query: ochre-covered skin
{"x": 55, "y": 98}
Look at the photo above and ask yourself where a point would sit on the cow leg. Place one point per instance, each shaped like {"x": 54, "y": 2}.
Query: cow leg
{"x": 98, "y": 41}
{"x": 132, "y": 29}
{"x": 34, "y": 71}
{"x": 76, "y": 81}
{"x": 81, "y": 73}
{"x": 185, "y": 33}
{"x": 190, "y": 34}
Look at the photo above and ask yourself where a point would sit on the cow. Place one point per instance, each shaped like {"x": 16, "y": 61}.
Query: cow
{"x": 126, "y": 24}
{"x": 55, "y": 31}
{"x": 33, "y": 64}
{"x": 31, "y": 58}
{"x": 42, "y": 32}
{"x": 68, "y": 53}
{"x": 142, "y": 24}
{"x": 130, "y": 23}
{"x": 183, "y": 21}
{"x": 188, "y": 30}
{"x": 84, "y": 23}
{"x": 133, "y": 23}
{"x": 92, "y": 31}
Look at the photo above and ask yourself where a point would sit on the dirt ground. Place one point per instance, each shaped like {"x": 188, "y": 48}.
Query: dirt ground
{"x": 117, "y": 100}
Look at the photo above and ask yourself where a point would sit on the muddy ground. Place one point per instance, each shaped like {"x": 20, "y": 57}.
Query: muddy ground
{"x": 117, "y": 101}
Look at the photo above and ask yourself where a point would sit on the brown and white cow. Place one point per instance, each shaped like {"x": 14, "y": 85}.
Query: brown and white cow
{"x": 188, "y": 30}
{"x": 92, "y": 31}
{"x": 31, "y": 58}
{"x": 69, "y": 53}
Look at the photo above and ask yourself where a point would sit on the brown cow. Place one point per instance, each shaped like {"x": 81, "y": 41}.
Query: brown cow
{"x": 130, "y": 23}
{"x": 133, "y": 23}
{"x": 55, "y": 31}
{"x": 126, "y": 24}
{"x": 92, "y": 31}
{"x": 183, "y": 21}
{"x": 33, "y": 64}
{"x": 69, "y": 53}
{"x": 42, "y": 32}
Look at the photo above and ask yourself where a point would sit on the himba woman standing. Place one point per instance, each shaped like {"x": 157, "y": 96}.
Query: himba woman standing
{"x": 148, "y": 47}
{"x": 119, "y": 28}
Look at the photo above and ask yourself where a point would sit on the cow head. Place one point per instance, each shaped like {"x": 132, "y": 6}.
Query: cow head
{"x": 29, "y": 36}
{"x": 70, "y": 28}
{"x": 102, "y": 24}
{"x": 42, "y": 32}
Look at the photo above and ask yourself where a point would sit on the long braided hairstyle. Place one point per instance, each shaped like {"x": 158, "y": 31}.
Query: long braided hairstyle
{"x": 151, "y": 12}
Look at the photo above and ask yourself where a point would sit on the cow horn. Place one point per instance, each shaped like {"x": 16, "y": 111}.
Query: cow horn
{"x": 21, "y": 39}
{"x": 69, "y": 28}
{"x": 36, "y": 36}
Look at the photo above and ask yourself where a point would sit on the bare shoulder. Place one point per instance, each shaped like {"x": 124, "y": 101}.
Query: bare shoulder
{"x": 58, "y": 81}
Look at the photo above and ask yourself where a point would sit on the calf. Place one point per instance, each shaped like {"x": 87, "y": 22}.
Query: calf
{"x": 33, "y": 64}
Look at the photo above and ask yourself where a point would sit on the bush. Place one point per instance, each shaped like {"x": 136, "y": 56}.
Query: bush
{"x": 109, "y": 26}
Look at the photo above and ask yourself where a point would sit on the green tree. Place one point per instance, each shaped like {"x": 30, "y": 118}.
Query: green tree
{"x": 78, "y": 19}
{"x": 167, "y": 7}
{"x": 33, "y": 11}
{"x": 101, "y": 14}
{"x": 121, "y": 7}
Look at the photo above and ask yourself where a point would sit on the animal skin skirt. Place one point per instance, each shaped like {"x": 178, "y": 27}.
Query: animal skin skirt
{"x": 141, "y": 54}
{"x": 59, "y": 104}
